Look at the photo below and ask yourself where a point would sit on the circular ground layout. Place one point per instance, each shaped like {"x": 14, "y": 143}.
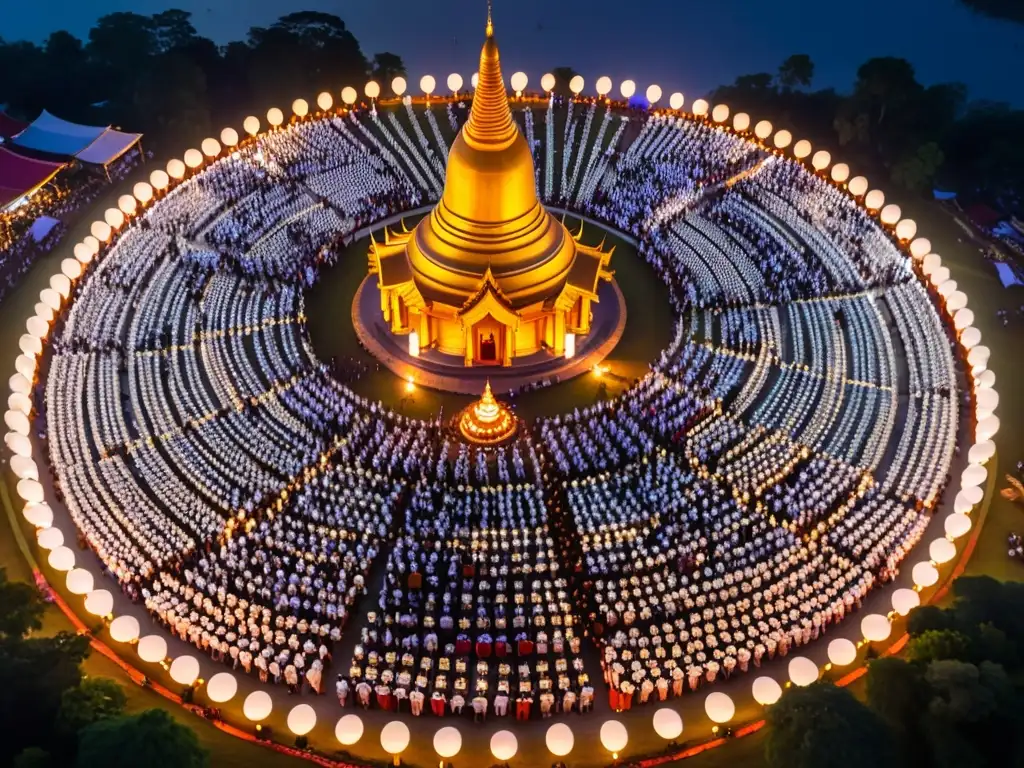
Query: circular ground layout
{"x": 677, "y": 520}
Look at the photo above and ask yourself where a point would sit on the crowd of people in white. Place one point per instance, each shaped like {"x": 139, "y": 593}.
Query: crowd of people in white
{"x": 777, "y": 461}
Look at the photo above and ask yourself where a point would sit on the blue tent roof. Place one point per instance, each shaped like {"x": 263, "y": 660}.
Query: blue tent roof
{"x": 57, "y": 137}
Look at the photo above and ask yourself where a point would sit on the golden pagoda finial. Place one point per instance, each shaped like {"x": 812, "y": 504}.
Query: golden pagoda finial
{"x": 488, "y": 397}
{"x": 490, "y": 126}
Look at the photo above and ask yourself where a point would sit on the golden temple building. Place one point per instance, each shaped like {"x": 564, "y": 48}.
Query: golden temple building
{"x": 490, "y": 275}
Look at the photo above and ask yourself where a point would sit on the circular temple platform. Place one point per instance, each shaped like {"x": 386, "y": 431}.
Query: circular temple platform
{"x": 448, "y": 373}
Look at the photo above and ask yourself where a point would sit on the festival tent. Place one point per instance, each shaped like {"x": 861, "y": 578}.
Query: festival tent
{"x": 109, "y": 146}
{"x": 20, "y": 176}
{"x": 1007, "y": 275}
{"x": 9, "y": 127}
{"x": 42, "y": 227}
{"x": 57, "y": 137}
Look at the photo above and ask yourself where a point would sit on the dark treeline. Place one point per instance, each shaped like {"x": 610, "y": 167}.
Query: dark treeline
{"x": 890, "y": 124}
{"x": 157, "y": 75}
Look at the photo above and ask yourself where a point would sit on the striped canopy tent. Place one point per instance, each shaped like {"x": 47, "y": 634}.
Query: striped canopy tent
{"x": 21, "y": 176}
{"x": 96, "y": 145}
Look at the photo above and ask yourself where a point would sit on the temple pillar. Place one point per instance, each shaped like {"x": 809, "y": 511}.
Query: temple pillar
{"x": 469, "y": 347}
{"x": 508, "y": 337}
{"x": 385, "y": 305}
{"x": 584, "y": 325}
{"x": 424, "y": 330}
{"x": 558, "y": 347}
{"x": 396, "y": 313}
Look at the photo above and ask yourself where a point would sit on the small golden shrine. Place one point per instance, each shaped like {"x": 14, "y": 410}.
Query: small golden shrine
{"x": 490, "y": 275}
{"x": 487, "y": 422}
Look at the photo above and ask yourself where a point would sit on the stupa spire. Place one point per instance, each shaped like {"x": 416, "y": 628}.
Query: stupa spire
{"x": 490, "y": 126}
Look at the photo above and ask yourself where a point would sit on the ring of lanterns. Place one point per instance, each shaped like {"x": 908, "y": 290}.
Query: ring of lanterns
{"x": 447, "y": 741}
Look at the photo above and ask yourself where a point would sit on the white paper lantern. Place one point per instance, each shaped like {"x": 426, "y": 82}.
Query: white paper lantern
{"x": 956, "y": 301}
{"x": 858, "y": 186}
{"x": 986, "y": 399}
{"x": 275, "y": 116}
{"x": 325, "y": 101}
{"x": 963, "y": 318}
{"x": 17, "y": 421}
{"x": 719, "y": 707}
{"x": 802, "y": 671}
{"x": 79, "y": 581}
{"x": 124, "y": 629}
{"x": 229, "y": 136}
{"x": 474, "y": 80}
{"x": 143, "y": 192}
{"x": 114, "y": 217}
{"x": 763, "y": 129}
{"x": 653, "y": 94}
{"x": 676, "y": 100}
{"x": 184, "y": 670}
{"x": 802, "y": 149}
{"x": 301, "y": 719}
{"x": 975, "y": 474}
{"x": 946, "y": 288}
{"x": 987, "y": 428}
{"x": 974, "y": 494}
{"x": 99, "y": 602}
{"x": 101, "y": 230}
{"x": 906, "y": 229}
{"x": 575, "y": 85}
{"x": 842, "y": 652}
{"x": 547, "y": 82}
{"x": 30, "y": 490}
{"x": 372, "y": 89}
{"x": 627, "y": 89}
{"x": 766, "y": 691}
{"x": 920, "y": 247}
{"x": 875, "y": 627}
{"x": 127, "y": 204}
{"x": 957, "y": 525}
{"x": 970, "y": 337}
{"x": 559, "y": 740}
{"x": 19, "y": 444}
{"x": 455, "y": 82}
{"x": 159, "y": 179}
{"x": 72, "y": 268}
{"x": 24, "y": 468}
{"x": 668, "y": 723}
{"x": 905, "y": 600}
{"x": 210, "y": 147}
{"x": 890, "y": 214}
{"x": 700, "y": 107}
{"x": 983, "y": 378}
{"x": 251, "y": 125}
{"x": 941, "y": 551}
{"x": 720, "y": 113}
{"x": 17, "y": 401}
{"x": 821, "y": 160}
{"x": 349, "y": 95}
{"x": 981, "y": 452}
{"x": 37, "y": 326}
{"x": 175, "y": 169}
{"x": 26, "y": 366}
{"x": 152, "y": 649}
{"x": 300, "y": 108}
{"x": 394, "y": 737}
{"x": 257, "y": 706}
{"x": 19, "y": 383}
{"x": 840, "y": 173}
{"x": 504, "y": 745}
{"x": 925, "y": 574}
{"x": 741, "y": 122}
{"x": 61, "y": 284}
{"x": 519, "y": 81}
{"x": 39, "y": 515}
{"x": 930, "y": 263}
{"x": 50, "y": 538}
{"x": 614, "y": 736}
{"x": 349, "y": 730}
{"x": 978, "y": 355}
{"x": 222, "y": 687}
{"x": 447, "y": 742}
{"x": 428, "y": 84}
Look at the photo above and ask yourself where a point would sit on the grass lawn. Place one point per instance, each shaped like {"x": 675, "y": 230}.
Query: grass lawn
{"x": 649, "y": 329}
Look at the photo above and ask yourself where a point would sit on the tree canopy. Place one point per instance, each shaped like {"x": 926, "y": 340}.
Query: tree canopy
{"x": 152, "y": 739}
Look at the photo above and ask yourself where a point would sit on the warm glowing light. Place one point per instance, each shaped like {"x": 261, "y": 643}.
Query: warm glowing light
{"x": 372, "y": 89}
{"x": 676, "y": 100}
{"x": 575, "y": 85}
{"x": 627, "y": 88}
{"x": 275, "y": 116}
{"x": 547, "y": 82}
{"x": 349, "y": 95}
{"x": 653, "y": 94}
{"x": 427, "y": 84}
{"x": 603, "y": 85}
{"x": 519, "y": 81}
{"x": 455, "y": 82}
{"x": 300, "y": 107}
{"x": 398, "y": 85}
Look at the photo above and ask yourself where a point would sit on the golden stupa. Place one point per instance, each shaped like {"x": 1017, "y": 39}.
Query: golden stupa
{"x": 490, "y": 275}
{"x": 487, "y": 422}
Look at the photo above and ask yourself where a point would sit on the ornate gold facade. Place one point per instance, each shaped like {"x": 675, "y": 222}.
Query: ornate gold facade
{"x": 490, "y": 274}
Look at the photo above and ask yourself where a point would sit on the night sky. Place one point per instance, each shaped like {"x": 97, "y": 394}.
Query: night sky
{"x": 686, "y": 45}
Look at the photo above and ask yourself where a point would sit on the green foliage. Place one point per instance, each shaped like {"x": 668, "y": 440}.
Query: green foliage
{"x": 822, "y": 726}
{"x": 797, "y": 70}
{"x": 937, "y": 645}
{"x": 1011, "y": 10}
{"x": 386, "y": 67}
{"x": 21, "y": 607}
{"x": 33, "y": 757}
{"x": 95, "y": 699}
{"x": 152, "y": 739}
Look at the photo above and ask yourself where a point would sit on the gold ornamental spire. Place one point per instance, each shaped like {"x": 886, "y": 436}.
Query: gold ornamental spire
{"x": 490, "y": 125}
